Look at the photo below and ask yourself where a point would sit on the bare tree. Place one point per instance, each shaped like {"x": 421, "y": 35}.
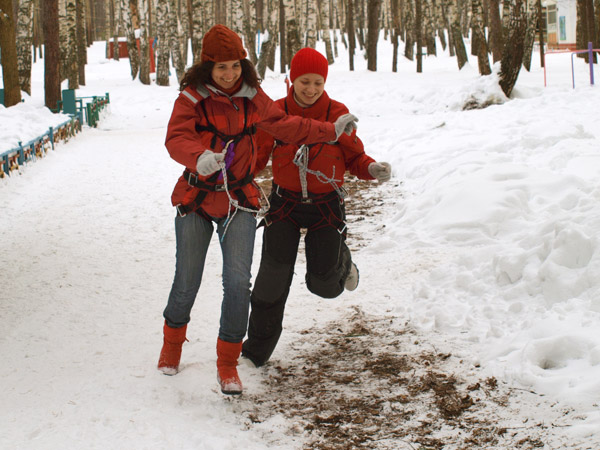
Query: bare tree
{"x": 249, "y": 28}
{"x": 512, "y": 55}
{"x": 457, "y": 37}
{"x": 162, "y": 65}
{"x": 293, "y": 41}
{"x": 10, "y": 72}
{"x": 325, "y": 16}
{"x": 24, "y": 36}
{"x": 80, "y": 29}
{"x": 374, "y": 11}
{"x": 132, "y": 50}
{"x": 496, "y": 30}
{"x": 419, "y": 34}
{"x": 51, "y": 53}
{"x": 70, "y": 44}
{"x": 395, "y": 33}
{"x": 479, "y": 43}
{"x": 267, "y": 50}
{"x": 351, "y": 33}
{"x": 311, "y": 23}
{"x": 144, "y": 44}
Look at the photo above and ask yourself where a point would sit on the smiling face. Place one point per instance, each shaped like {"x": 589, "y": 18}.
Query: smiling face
{"x": 308, "y": 88}
{"x": 226, "y": 73}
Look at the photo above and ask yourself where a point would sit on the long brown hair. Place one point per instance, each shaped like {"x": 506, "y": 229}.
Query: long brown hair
{"x": 200, "y": 73}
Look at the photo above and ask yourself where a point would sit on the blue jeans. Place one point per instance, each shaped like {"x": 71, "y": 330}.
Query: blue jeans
{"x": 193, "y": 234}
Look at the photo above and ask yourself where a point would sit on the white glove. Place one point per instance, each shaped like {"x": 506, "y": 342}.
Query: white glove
{"x": 209, "y": 162}
{"x": 382, "y": 171}
{"x": 345, "y": 124}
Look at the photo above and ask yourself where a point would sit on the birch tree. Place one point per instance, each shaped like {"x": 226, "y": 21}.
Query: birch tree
{"x": 351, "y": 33}
{"x": 512, "y": 54}
{"x": 268, "y": 47}
{"x": 311, "y": 23}
{"x": 24, "y": 35}
{"x": 132, "y": 49}
{"x": 325, "y": 16}
{"x": 69, "y": 44}
{"x": 144, "y": 44}
{"x": 292, "y": 31}
{"x": 249, "y": 28}
{"x": 10, "y": 72}
{"x": 199, "y": 21}
{"x": 162, "y": 64}
{"x": 173, "y": 30}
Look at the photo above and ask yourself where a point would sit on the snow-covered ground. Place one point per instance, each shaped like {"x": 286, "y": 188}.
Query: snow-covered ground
{"x": 485, "y": 244}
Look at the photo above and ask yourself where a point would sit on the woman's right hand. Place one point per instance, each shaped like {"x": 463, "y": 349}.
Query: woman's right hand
{"x": 209, "y": 162}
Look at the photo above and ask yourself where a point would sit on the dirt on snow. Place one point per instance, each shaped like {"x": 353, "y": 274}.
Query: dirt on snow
{"x": 374, "y": 382}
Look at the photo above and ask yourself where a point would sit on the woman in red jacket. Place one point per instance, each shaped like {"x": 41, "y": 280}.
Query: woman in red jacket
{"x": 211, "y": 132}
{"x": 307, "y": 193}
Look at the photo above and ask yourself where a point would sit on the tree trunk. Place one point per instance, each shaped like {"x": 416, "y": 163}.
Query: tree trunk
{"x": 197, "y": 16}
{"x": 477, "y": 30}
{"x": 541, "y": 21}
{"x": 172, "y": 32}
{"x": 82, "y": 43}
{"x": 162, "y": 65}
{"x": 249, "y": 28}
{"x": 409, "y": 24}
{"x": 267, "y": 49}
{"x": 24, "y": 35}
{"x": 325, "y": 16}
{"x": 144, "y": 42}
{"x": 10, "y": 71}
{"x": 51, "y": 53}
{"x": 419, "y": 34}
{"x": 395, "y": 34}
{"x": 70, "y": 45}
{"x": 132, "y": 50}
{"x": 532, "y": 20}
{"x": 351, "y": 33}
{"x": 457, "y": 37}
{"x": 496, "y": 30}
{"x": 311, "y": 23}
{"x": 283, "y": 56}
{"x": 512, "y": 55}
{"x": 591, "y": 27}
{"x": 293, "y": 40}
{"x": 373, "y": 11}
{"x": 116, "y": 29}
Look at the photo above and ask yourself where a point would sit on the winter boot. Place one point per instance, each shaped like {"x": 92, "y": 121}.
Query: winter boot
{"x": 352, "y": 278}
{"x": 168, "y": 363}
{"x": 227, "y": 359}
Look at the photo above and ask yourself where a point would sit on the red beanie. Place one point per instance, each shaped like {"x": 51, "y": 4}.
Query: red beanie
{"x": 221, "y": 44}
{"x": 308, "y": 60}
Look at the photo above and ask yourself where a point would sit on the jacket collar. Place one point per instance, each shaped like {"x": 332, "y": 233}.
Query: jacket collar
{"x": 315, "y": 111}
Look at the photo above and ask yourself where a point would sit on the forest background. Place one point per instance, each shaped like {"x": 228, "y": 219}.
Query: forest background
{"x": 61, "y": 31}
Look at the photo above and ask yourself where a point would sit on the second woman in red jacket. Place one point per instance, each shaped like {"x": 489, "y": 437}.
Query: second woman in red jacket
{"x": 307, "y": 193}
{"x": 211, "y": 133}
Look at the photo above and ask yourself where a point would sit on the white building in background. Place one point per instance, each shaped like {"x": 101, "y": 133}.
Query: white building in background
{"x": 561, "y": 22}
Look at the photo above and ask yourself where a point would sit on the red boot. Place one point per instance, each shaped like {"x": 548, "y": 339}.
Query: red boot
{"x": 168, "y": 363}
{"x": 227, "y": 358}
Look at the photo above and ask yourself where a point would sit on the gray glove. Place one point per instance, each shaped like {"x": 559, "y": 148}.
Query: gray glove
{"x": 382, "y": 171}
{"x": 209, "y": 162}
{"x": 345, "y": 124}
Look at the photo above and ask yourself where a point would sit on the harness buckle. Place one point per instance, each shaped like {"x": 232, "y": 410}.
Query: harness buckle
{"x": 306, "y": 200}
{"x": 219, "y": 188}
{"x": 180, "y": 211}
{"x": 192, "y": 179}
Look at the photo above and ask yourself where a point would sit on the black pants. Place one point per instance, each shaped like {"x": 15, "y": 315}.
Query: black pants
{"x": 327, "y": 265}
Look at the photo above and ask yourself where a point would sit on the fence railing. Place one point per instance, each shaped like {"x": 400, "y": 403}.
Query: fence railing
{"x": 78, "y": 108}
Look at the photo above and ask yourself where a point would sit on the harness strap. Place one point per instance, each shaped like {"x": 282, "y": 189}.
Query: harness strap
{"x": 246, "y": 131}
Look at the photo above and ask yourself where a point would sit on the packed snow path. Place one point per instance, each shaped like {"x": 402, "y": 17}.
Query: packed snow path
{"x": 479, "y": 283}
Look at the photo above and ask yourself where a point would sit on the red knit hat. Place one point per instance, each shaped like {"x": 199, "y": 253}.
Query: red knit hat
{"x": 221, "y": 44}
{"x": 308, "y": 60}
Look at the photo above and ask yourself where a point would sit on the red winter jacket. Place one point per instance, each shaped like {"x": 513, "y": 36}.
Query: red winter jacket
{"x": 226, "y": 113}
{"x": 348, "y": 153}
